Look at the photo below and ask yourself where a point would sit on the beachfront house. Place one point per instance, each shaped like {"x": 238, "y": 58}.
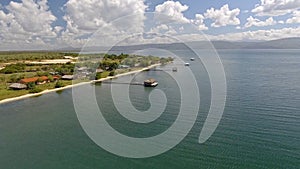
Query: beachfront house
{"x": 124, "y": 67}
{"x": 67, "y": 77}
{"x": 82, "y": 69}
{"x": 82, "y": 72}
{"x": 37, "y": 80}
{"x": 17, "y": 86}
{"x": 99, "y": 70}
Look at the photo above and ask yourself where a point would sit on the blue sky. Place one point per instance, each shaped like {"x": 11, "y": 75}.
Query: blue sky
{"x": 55, "y": 23}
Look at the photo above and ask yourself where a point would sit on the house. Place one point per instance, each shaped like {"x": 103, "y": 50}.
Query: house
{"x": 99, "y": 70}
{"x": 124, "y": 67}
{"x": 150, "y": 83}
{"x": 37, "y": 80}
{"x": 67, "y": 77}
{"x": 68, "y": 57}
{"x": 17, "y": 86}
{"x": 53, "y": 73}
{"x": 82, "y": 72}
{"x": 81, "y": 69}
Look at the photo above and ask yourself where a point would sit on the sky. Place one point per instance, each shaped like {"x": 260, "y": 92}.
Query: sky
{"x": 52, "y": 24}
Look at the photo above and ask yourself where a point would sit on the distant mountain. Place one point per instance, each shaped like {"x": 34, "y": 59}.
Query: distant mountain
{"x": 288, "y": 43}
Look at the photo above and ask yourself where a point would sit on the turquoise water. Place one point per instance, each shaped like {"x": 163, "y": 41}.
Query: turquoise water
{"x": 260, "y": 127}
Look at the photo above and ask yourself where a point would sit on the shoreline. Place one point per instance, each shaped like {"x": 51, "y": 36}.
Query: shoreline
{"x": 75, "y": 85}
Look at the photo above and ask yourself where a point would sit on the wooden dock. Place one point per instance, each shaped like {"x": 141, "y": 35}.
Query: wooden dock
{"x": 127, "y": 83}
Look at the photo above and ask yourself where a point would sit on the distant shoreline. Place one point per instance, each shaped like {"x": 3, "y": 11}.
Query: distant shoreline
{"x": 74, "y": 85}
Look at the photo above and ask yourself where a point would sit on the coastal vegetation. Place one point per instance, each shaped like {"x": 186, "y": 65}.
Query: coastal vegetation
{"x": 32, "y": 56}
{"x": 15, "y": 68}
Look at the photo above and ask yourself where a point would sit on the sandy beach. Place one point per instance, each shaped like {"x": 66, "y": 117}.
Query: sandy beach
{"x": 74, "y": 85}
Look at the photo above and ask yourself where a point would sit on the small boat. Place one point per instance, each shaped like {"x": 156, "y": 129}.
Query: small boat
{"x": 192, "y": 59}
{"x": 150, "y": 83}
{"x": 187, "y": 64}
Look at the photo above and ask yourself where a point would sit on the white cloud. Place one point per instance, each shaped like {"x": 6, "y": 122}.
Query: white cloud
{"x": 29, "y": 24}
{"x": 199, "y": 22}
{"x": 163, "y": 29}
{"x": 5, "y": 18}
{"x": 26, "y": 24}
{"x": 223, "y": 16}
{"x": 173, "y": 11}
{"x": 256, "y": 22}
{"x": 86, "y": 17}
{"x": 295, "y": 17}
{"x": 33, "y": 17}
{"x": 276, "y": 7}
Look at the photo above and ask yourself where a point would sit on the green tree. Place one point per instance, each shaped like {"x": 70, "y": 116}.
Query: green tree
{"x": 13, "y": 78}
{"x": 14, "y": 68}
{"x": 98, "y": 76}
{"x": 59, "y": 84}
{"x": 51, "y": 79}
{"x": 112, "y": 73}
{"x": 40, "y": 80}
{"x": 144, "y": 63}
{"x": 35, "y": 90}
{"x": 31, "y": 85}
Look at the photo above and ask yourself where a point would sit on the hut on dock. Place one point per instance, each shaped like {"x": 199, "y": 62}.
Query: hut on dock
{"x": 150, "y": 83}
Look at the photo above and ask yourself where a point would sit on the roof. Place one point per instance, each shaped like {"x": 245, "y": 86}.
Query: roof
{"x": 33, "y": 79}
{"x": 67, "y": 77}
{"x": 68, "y": 57}
{"x": 17, "y": 86}
{"x": 150, "y": 81}
{"x": 124, "y": 66}
{"x": 55, "y": 77}
{"x": 99, "y": 70}
{"x": 82, "y": 68}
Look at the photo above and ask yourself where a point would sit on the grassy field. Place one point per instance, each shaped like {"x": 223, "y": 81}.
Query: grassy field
{"x": 7, "y": 93}
{"x": 6, "y": 57}
{"x": 22, "y": 56}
